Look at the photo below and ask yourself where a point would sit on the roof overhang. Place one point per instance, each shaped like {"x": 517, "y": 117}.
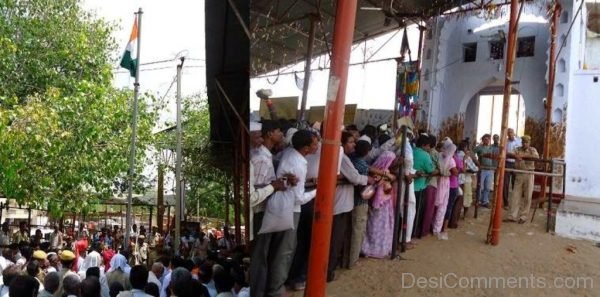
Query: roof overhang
{"x": 280, "y": 28}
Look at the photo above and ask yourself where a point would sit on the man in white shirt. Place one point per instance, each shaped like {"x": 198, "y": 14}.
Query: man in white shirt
{"x": 166, "y": 280}
{"x": 56, "y": 239}
{"x": 155, "y": 274}
{"x": 263, "y": 184}
{"x": 512, "y": 143}
{"x": 344, "y": 202}
{"x": 278, "y": 247}
{"x": 9, "y": 273}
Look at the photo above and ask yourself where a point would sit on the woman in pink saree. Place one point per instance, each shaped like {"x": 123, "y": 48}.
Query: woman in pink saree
{"x": 380, "y": 225}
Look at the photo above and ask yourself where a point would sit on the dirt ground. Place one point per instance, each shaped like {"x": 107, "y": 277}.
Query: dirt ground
{"x": 527, "y": 262}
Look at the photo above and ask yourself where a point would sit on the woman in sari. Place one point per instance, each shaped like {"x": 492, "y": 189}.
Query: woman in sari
{"x": 380, "y": 226}
{"x": 447, "y": 167}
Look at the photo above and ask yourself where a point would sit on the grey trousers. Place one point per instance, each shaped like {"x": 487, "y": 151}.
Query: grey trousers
{"x": 271, "y": 260}
{"x": 360, "y": 215}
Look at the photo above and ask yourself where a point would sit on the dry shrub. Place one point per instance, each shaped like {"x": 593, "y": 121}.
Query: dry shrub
{"x": 453, "y": 127}
{"x": 536, "y": 129}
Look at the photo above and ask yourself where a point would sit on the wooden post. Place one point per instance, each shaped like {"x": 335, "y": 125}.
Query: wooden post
{"x": 150, "y": 219}
{"x": 496, "y": 217}
{"x": 246, "y": 187}
{"x": 168, "y": 218}
{"x": 236, "y": 188}
{"x": 307, "y": 63}
{"x": 29, "y": 221}
{"x": 333, "y": 118}
{"x": 550, "y": 93}
{"x": 160, "y": 198}
{"x": 402, "y": 193}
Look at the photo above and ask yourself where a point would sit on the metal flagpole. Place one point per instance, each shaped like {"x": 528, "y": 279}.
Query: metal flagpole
{"x": 178, "y": 187}
{"x": 136, "y": 91}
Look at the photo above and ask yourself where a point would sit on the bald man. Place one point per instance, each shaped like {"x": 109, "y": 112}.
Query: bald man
{"x": 156, "y": 273}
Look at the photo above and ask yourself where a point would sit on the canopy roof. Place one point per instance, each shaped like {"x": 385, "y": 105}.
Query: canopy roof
{"x": 280, "y": 28}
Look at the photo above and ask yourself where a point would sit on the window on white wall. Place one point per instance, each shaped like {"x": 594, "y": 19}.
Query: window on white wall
{"x": 429, "y": 34}
{"x": 562, "y": 66}
{"x": 426, "y": 75}
{"x": 425, "y": 96}
{"x": 526, "y": 46}
{"x": 469, "y": 52}
{"x": 428, "y": 54}
{"x": 496, "y": 50}
{"x": 564, "y": 18}
{"x": 557, "y": 115}
{"x": 560, "y": 90}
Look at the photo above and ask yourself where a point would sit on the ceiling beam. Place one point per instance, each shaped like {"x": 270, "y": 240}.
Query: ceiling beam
{"x": 278, "y": 22}
{"x": 329, "y": 14}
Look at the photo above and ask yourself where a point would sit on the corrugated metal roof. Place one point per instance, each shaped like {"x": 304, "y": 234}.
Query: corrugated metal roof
{"x": 280, "y": 28}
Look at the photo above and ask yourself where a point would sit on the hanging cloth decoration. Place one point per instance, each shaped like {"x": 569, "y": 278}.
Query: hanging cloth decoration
{"x": 407, "y": 81}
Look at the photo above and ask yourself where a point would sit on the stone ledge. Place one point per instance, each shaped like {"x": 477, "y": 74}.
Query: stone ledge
{"x": 580, "y": 205}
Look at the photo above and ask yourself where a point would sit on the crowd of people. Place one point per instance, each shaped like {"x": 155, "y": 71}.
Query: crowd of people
{"x": 441, "y": 178}
{"x": 98, "y": 263}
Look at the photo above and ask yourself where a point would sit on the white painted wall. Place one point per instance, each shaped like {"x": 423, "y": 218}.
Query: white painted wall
{"x": 582, "y": 139}
{"x": 453, "y": 83}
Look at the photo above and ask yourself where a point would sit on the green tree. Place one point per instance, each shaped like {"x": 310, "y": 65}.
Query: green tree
{"x": 204, "y": 168}
{"x": 64, "y": 130}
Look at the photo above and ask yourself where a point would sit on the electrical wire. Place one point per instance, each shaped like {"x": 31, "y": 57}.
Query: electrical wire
{"x": 569, "y": 31}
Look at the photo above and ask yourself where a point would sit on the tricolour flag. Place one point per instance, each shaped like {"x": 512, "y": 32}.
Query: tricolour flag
{"x": 130, "y": 58}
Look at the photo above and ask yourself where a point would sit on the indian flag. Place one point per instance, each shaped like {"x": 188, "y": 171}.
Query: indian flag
{"x": 130, "y": 58}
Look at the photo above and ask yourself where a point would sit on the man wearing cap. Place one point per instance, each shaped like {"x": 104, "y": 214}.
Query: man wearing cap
{"x": 40, "y": 256}
{"x": 521, "y": 195}
{"x": 263, "y": 184}
{"x": 66, "y": 259}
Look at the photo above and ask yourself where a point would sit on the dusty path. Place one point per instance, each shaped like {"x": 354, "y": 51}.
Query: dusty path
{"x": 528, "y": 262}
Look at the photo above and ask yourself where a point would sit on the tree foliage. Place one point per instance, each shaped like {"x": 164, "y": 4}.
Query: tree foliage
{"x": 64, "y": 130}
{"x": 206, "y": 181}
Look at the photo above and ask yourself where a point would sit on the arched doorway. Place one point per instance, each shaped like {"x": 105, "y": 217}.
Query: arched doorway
{"x": 484, "y": 113}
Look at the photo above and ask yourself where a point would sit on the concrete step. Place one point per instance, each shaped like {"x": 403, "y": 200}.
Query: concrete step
{"x": 579, "y": 218}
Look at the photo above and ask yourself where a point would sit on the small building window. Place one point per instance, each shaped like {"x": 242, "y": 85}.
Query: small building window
{"x": 526, "y": 46}
{"x": 424, "y": 96}
{"x": 560, "y": 90}
{"x": 429, "y": 34}
{"x": 557, "y": 115}
{"x": 426, "y": 75}
{"x": 428, "y": 54}
{"x": 496, "y": 50}
{"x": 562, "y": 66}
{"x": 564, "y": 17}
{"x": 469, "y": 52}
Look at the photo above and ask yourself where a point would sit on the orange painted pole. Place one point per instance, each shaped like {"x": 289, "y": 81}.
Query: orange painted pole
{"x": 550, "y": 92}
{"x": 496, "y": 218}
{"x": 330, "y": 146}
